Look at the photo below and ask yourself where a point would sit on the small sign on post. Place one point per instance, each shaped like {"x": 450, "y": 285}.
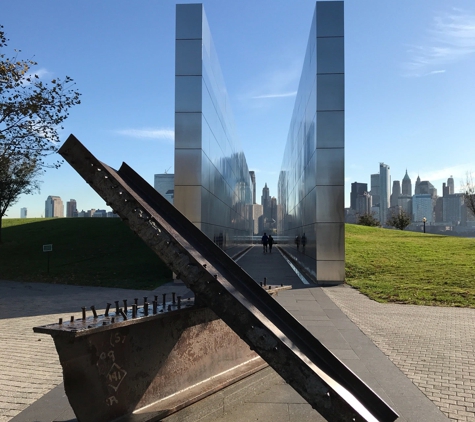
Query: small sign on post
{"x": 48, "y": 248}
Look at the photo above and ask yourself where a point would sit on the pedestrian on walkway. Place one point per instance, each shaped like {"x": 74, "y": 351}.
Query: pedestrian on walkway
{"x": 297, "y": 241}
{"x": 265, "y": 240}
{"x": 304, "y": 242}
{"x": 271, "y": 242}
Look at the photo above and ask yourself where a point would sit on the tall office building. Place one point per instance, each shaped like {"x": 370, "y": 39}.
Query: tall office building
{"x": 450, "y": 185}
{"x": 452, "y": 205}
{"x": 266, "y": 201}
{"x": 23, "y": 212}
{"x": 253, "y": 185}
{"x": 395, "y": 193}
{"x": 422, "y": 207}
{"x": 384, "y": 192}
{"x": 312, "y": 178}
{"x": 416, "y": 186}
{"x": 357, "y": 189}
{"x": 164, "y": 184}
{"x": 375, "y": 189}
{"x": 406, "y": 185}
{"x": 364, "y": 204}
{"x": 54, "y": 207}
{"x": 71, "y": 208}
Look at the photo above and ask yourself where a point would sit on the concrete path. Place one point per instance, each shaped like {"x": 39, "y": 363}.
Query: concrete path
{"x": 429, "y": 376}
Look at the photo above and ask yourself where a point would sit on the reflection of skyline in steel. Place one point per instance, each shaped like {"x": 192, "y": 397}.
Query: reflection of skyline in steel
{"x": 212, "y": 181}
{"x": 311, "y": 183}
{"x": 213, "y": 187}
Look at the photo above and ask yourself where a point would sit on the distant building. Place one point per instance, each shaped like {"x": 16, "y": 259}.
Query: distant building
{"x": 364, "y": 204}
{"x": 54, "y": 207}
{"x": 165, "y": 185}
{"x": 357, "y": 189}
{"x": 23, "y": 213}
{"x": 266, "y": 202}
{"x": 257, "y": 211}
{"x": 71, "y": 208}
{"x": 100, "y": 214}
{"x": 422, "y": 207}
{"x": 375, "y": 189}
{"x": 406, "y": 185}
{"x": 452, "y": 208}
{"x": 396, "y": 193}
{"x": 384, "y": 192}
{"x": 450, "y": 185}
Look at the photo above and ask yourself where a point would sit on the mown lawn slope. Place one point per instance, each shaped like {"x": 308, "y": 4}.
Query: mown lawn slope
{"x": 407, "y": 267}
{"x": 86, "y": 251}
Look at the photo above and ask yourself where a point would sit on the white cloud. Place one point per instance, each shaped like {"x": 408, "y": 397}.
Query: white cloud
{"x": 286, "y": 94}
{"x": 165, "y": 134}
{"x": 450, "y": 38}
{"x": 281, "y": 82}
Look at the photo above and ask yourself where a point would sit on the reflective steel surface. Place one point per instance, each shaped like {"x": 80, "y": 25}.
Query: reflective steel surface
{"x": 311, "y": 183}
{"x": 212, "y": 182}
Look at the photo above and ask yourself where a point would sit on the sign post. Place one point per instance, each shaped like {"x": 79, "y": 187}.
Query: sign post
{"x": 48, "y": 248}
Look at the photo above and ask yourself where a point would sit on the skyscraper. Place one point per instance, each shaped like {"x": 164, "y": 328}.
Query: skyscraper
{"x": 23, "y": 213}
{"x": 375, "y": 189}
{"x": 406, "y": 185}
{"x": 395, "y": 193}
{"x": 54, "y": 207}
{"x": 71, "y": 208}
{"x": 384, "y": 191}
{"x": 357, "y": 189}
{"x": 450, "y": 185}
{"x": 266, "y": 202}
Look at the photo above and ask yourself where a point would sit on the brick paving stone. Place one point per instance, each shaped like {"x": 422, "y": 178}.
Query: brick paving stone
{"x": 29, "y": 364}
{"x": 433, "y": 346}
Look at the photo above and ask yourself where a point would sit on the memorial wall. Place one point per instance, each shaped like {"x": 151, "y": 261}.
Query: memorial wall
{"x": 311, "y": 182}
{"x": 212, "y": 181}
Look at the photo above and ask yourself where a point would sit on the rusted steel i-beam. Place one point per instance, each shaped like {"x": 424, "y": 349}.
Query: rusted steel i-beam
{"x": 309, "y": 367}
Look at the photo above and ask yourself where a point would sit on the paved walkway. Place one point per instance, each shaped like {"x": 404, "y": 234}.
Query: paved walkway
{"x": 433, "y": 347}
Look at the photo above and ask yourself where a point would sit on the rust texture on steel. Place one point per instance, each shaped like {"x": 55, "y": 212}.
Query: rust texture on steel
{"x": 222, "y": 285}
{"x": 152, "y": 365}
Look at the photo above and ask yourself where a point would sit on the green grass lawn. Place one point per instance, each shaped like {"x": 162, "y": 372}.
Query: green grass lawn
{"x": 86, "y": 251}
{"x": 407, "y": 267}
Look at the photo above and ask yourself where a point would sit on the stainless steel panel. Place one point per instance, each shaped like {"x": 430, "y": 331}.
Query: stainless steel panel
{"x": 311, "y": 174}
{"x": 310, "y": 213}
{"x": 331, "y": 166}
{"x": 330, "y": 129}
{"x": 188, "y": 130}
{"x": 188, "y": 60}
{"x": 188, "y": 94}
{"x": 330, "y": 204}
{"x": 206, "y": 207}
{"x": 330, "y": 241}
{"x": 330, "y": 92}
{"x": 330, "y": 271}
{"x": 188, "y": 200}
{"x": 330, "y": 18}
{"x": 330, "y": 55}
{"x": 188, "y": 166}
{"x": 206, "y": 167}
{"x": 189, "y": 21}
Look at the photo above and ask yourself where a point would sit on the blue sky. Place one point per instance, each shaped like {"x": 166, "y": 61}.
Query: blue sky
{"x": 410, "y": 83}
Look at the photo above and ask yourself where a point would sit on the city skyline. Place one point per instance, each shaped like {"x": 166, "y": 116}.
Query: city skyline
{"x": 408, "y": 101}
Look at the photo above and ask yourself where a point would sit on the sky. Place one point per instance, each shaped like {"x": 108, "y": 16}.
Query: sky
{"x": 409, "y": 75}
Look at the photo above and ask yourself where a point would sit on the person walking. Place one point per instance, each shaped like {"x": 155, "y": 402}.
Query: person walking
{"x": 304, "y": 242}
{"x": 271, "y": 242}
{"x": 297, "y": 241}
{"x": 265, "y": 240}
